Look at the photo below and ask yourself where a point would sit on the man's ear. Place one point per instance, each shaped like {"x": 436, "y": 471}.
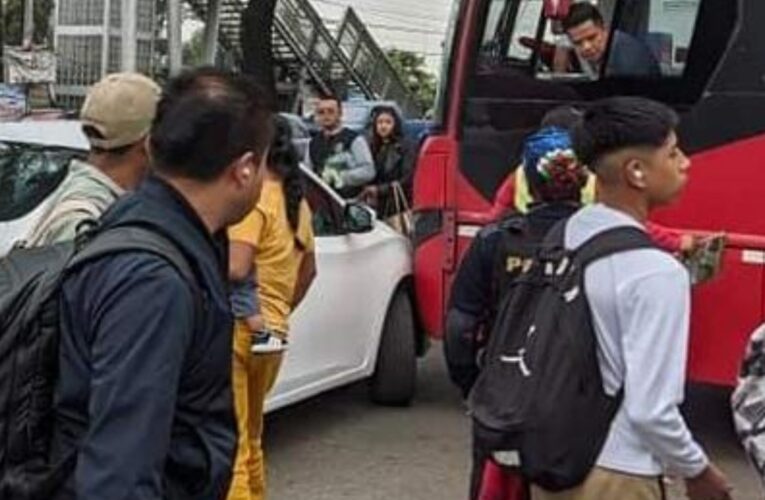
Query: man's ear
{"x": 634, "y": 170}
{"x": 244, "y": 169}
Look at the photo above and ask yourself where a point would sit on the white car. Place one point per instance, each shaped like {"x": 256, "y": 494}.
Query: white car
{"x": 358, "y": 319}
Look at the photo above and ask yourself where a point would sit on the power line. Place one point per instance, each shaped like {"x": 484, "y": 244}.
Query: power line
{"x": 393, "y": 8}
{"x": 383, "y": 11}
{"x": 389, "y": 27}
{"x": 403, "y": 20}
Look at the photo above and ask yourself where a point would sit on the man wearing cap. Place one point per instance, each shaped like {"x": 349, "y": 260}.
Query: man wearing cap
{"x": 116, "y": 119}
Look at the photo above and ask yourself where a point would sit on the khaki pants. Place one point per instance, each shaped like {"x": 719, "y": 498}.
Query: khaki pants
{"x": 603, "y": 484}
{"x": 253, "y": 377}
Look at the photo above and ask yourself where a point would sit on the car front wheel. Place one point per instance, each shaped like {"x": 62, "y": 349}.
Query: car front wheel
{"x": 395, "y": 377}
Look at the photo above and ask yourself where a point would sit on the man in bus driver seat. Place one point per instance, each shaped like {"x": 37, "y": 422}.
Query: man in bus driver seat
{"x": 589, "y": 34}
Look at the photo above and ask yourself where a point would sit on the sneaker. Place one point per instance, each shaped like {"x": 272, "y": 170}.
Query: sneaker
{"x": 267, "y": 343}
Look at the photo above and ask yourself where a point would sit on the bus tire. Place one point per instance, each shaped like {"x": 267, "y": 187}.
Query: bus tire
{"x": 395, "y": 377}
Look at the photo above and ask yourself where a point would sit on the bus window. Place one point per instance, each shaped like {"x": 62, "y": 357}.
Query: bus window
{"x": 646, "y": 39}
{"x": 517, "y": 76}
{"x": 670, "y": 31}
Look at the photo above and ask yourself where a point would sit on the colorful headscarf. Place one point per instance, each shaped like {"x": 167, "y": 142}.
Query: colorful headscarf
{"x": 551, "y": 166}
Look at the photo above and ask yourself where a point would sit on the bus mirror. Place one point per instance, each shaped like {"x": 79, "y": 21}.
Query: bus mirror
{"x": 556, "y": 9}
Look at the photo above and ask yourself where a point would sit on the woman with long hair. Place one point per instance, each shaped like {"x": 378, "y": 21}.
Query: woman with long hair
{"x": 393, "y": 162}
{"x": 276, "y": 243}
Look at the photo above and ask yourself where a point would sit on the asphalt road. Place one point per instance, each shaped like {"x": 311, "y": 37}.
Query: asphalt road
{"x": 340, "y": 446}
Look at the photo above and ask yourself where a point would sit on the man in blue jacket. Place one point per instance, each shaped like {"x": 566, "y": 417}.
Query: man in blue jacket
{"x": 590, "y": 36}
{"x": 143, "y": 404}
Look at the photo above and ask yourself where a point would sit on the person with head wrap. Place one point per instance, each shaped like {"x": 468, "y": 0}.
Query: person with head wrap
{"x": 501, "y": 251}
{"x": 516, "y": 195}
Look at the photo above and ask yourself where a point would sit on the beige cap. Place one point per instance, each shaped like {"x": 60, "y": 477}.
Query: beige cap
{"x": 121, "y": 108}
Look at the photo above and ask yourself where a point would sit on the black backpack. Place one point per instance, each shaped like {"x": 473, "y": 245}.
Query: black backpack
{"x": 30, "y": 281}
{"x": 539, "y": 402}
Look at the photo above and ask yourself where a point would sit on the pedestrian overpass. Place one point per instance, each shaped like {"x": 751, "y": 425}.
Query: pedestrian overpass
{"x": 306, "y": 52}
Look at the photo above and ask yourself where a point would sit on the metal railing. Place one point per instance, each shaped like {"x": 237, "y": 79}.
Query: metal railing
{"x": 373, "y": 65}
{"x": 351, "y": 62}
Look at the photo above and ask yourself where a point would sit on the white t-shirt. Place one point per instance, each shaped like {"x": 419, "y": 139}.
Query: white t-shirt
{"x": 640, "y": 302}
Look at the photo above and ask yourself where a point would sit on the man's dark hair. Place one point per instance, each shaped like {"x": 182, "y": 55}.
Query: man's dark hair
{"x": 580, "y": 13}
{"x": 206, "y": 119}
{"x": 617, "y": 123}
{"x": 565, "y": 117}
{"x": 332, "y": 97}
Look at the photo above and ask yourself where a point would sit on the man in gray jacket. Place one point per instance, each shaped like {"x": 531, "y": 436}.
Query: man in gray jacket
{"x": 339, "y": 155}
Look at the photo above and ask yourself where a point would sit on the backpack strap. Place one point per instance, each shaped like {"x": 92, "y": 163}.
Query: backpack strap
{"x": 553, "y": 246}
{"x": 136, "y": 238}
{"x": 616, "y": 240}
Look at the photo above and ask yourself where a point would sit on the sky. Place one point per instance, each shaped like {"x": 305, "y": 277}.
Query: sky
{"x": 403, "y": 24}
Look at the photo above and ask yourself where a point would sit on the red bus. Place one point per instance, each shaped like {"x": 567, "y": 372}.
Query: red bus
{"x": 497, "y": 83}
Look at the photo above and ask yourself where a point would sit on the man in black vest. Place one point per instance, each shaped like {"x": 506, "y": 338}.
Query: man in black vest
{"x": 339, "y": 155}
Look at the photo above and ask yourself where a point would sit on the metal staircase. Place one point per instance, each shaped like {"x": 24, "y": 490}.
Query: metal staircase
{"x": 372, "y": 65}
{"x": 305, "y": 50}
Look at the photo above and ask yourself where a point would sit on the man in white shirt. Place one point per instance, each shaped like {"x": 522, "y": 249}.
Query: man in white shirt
{"x": 640, "y": 302}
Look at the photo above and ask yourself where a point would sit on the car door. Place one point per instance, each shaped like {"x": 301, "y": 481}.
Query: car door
{"x": 336, "y": 328}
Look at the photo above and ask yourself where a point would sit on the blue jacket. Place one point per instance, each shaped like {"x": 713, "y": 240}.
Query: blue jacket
{"x": 143, "y": 402}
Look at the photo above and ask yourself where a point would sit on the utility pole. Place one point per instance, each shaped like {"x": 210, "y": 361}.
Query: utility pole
{"x": 129, "y": 34}
{"x": 257, "y": 48}
{"x": 29, "y": 24}
{"x": 212, "y": 27}
{"x": 174, "y": 43}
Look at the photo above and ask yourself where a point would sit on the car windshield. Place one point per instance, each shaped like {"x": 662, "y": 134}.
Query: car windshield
{"x": 28, "y": 175}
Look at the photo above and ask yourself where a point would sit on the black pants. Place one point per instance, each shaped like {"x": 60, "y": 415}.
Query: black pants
{"x": 476, "y": 472}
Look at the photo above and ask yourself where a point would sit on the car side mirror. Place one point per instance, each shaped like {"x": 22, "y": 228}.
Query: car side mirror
{"x": 358, "y": 218}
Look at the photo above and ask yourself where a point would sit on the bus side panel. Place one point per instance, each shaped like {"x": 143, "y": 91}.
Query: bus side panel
{"x": 432, "y": 238}
{"x": 429, "y": 284}
{"x": 725, "y": 313}
{"x": 430, "y": 174}
{"x": 725, "y": 193}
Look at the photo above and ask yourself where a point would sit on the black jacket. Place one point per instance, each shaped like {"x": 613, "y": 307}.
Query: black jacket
{"x": 394, "y": 162}
{"x": 144, "y": 385}
{"x": 492, "y": 263}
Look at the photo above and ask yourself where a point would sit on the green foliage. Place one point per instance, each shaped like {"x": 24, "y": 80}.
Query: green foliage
{"x": 193, "y": 50}
{"x": 413, "y": 71}
{"x": 14, "y": 22}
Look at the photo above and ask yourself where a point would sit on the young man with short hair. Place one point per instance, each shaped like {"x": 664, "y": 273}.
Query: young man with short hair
{"x": 116, "y": 118}
{"x": 590, "y": 36}
{"x": 143, "y": 403}
{"x": 338, "y": 154}
{"x": 640, "y": 305}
